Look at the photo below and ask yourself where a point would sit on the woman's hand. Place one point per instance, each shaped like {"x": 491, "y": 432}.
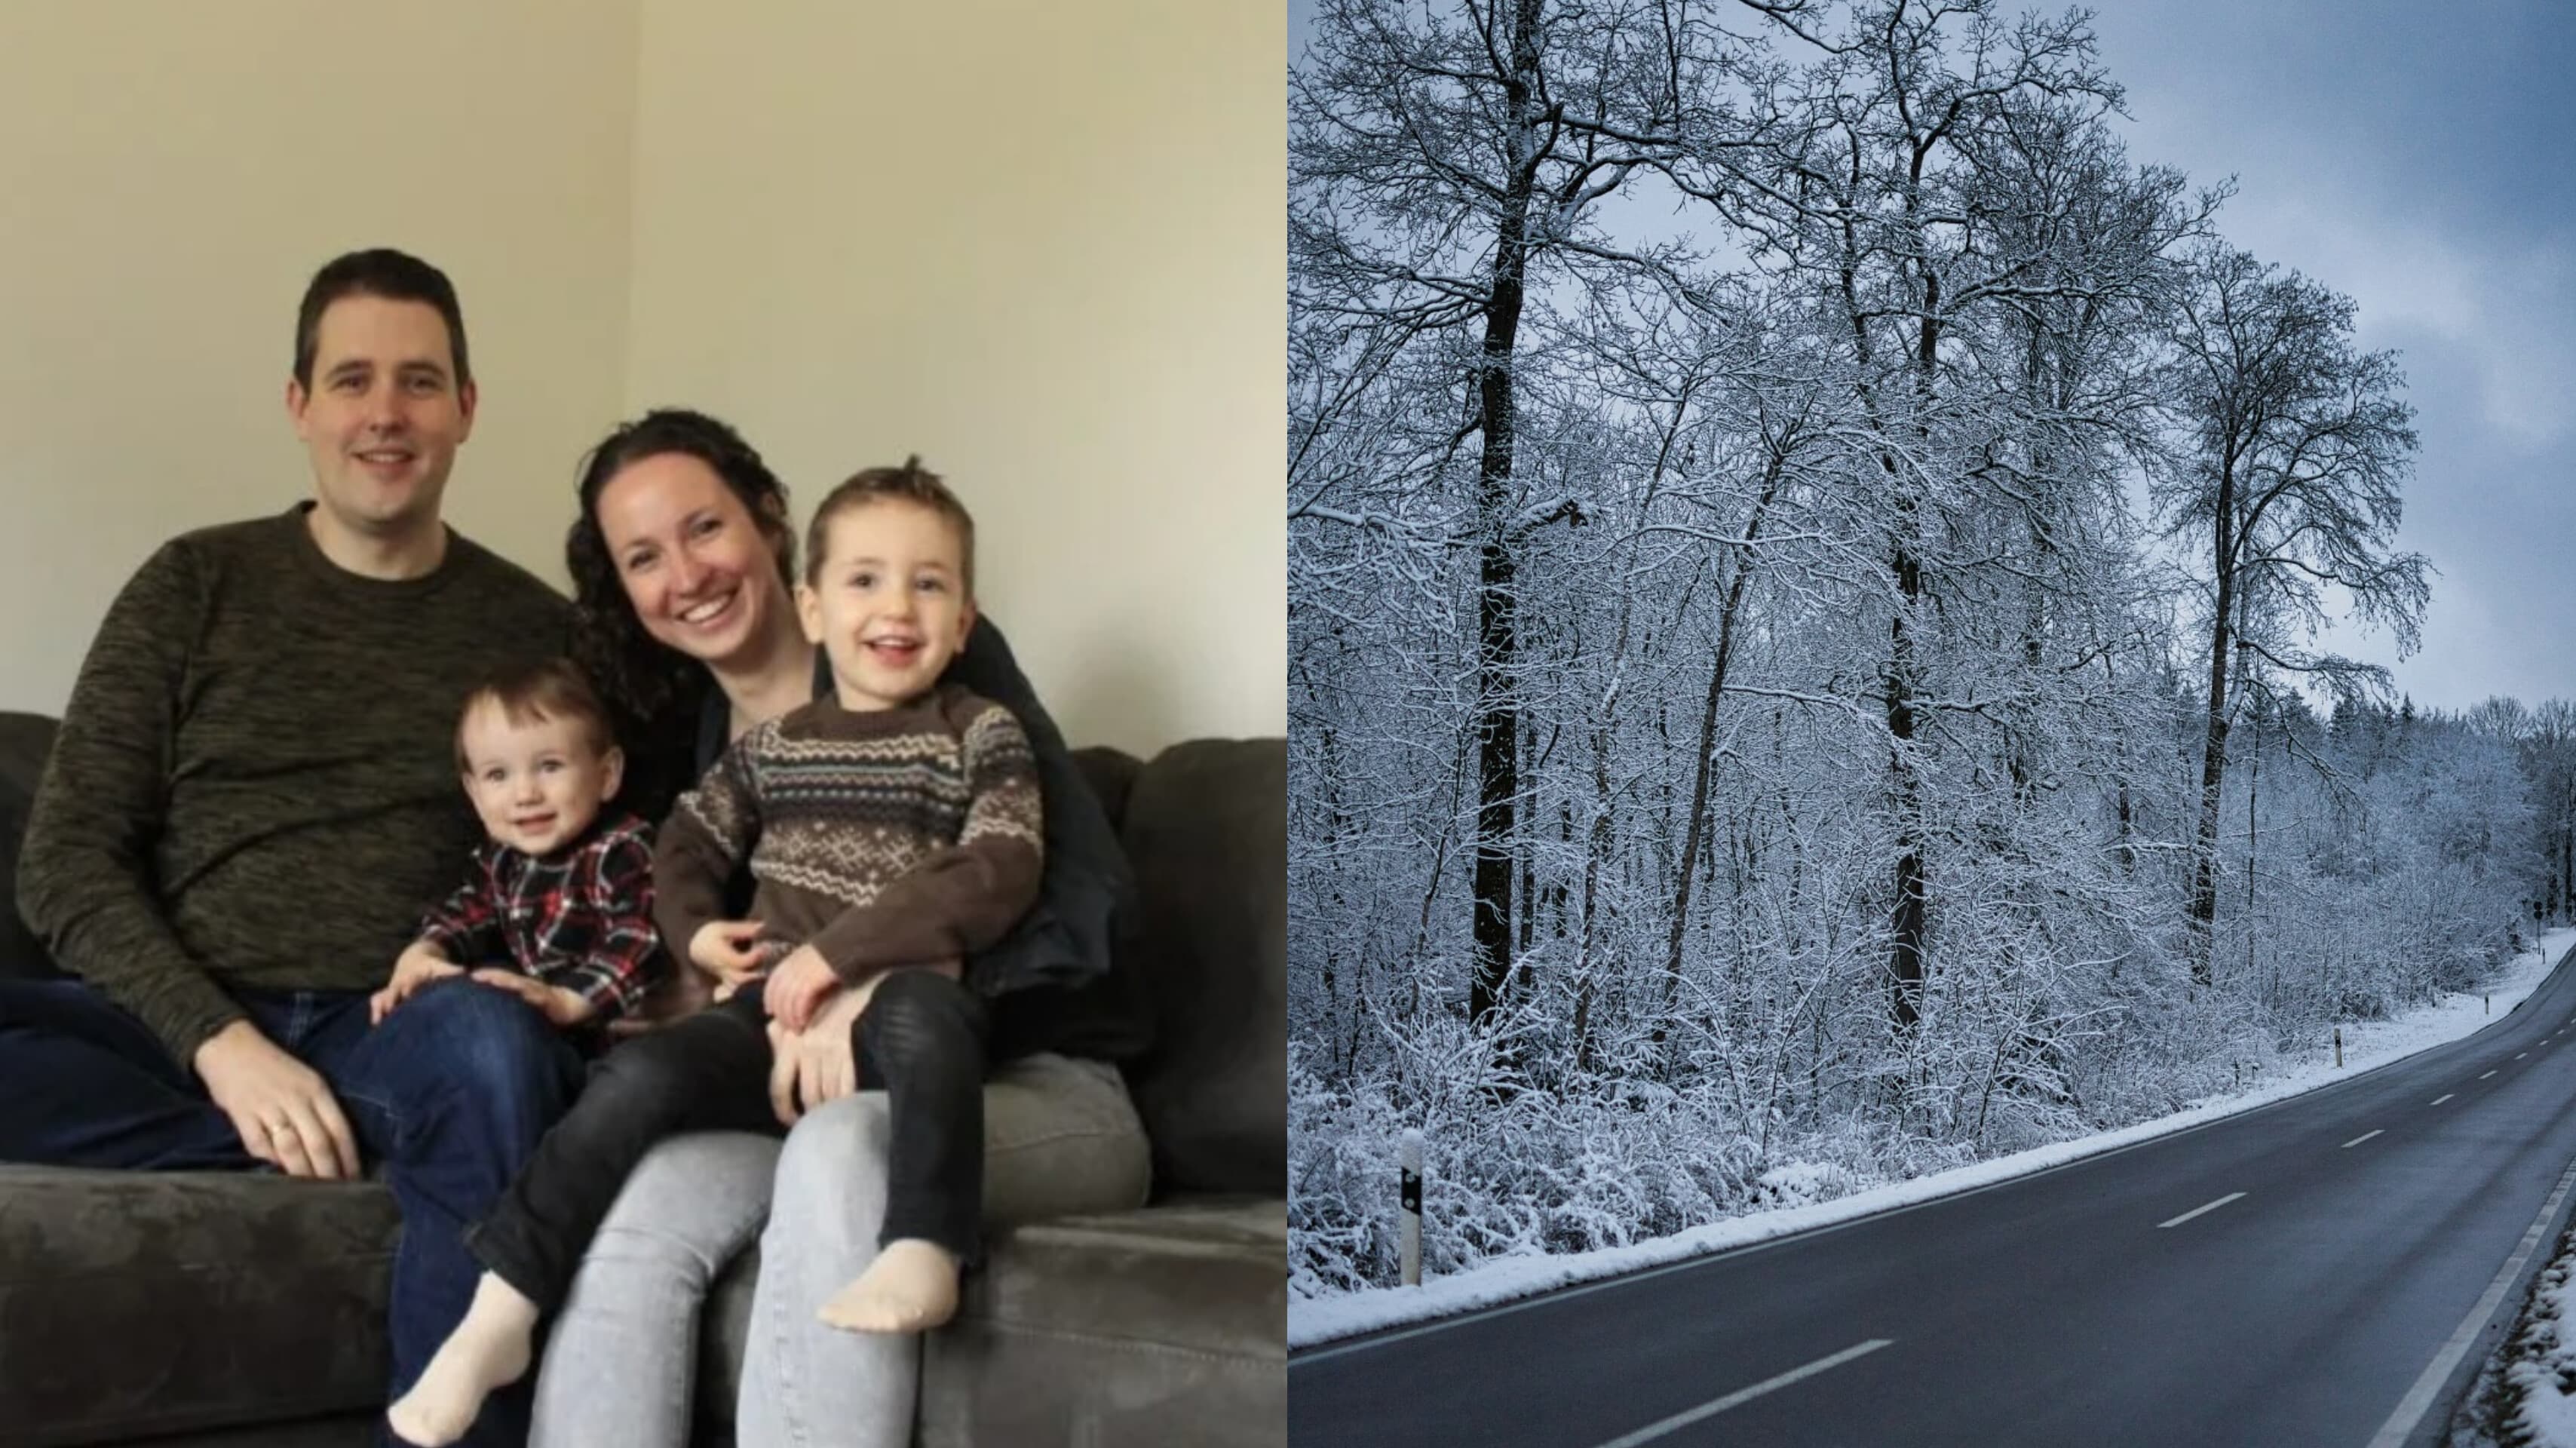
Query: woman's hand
{"x": 797, "y": 986}
{"x": 819, "y": 1063}
{"x": 559, "y": 1006}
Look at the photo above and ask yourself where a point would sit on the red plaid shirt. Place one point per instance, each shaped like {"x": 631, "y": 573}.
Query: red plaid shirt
{"x": 581, "y": 918}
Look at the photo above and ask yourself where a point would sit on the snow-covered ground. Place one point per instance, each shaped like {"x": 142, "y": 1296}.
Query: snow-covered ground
{"x": 2540, "y": 1359}
{"x": 2365, "y": 1045}
{"x": 2534, "y": 1373}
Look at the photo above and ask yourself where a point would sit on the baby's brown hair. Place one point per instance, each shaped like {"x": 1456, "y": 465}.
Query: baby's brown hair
{"x": 911, "y": 483}
{"x": 532, "y": 691}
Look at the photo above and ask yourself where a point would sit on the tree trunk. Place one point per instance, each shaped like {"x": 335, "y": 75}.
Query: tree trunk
{"x": 1696, "y": 825}
{"x": 2213, "y": 755}
{"x": 1498, "y": 713}
{"x": 1907, "y": 921}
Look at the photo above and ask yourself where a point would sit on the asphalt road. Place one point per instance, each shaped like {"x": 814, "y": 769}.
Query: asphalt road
{"x": 2279, "y": 1278}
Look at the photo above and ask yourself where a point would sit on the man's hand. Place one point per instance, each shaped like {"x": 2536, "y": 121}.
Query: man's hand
{"x": 729, "y": 950}
{"x": 418, "y": 965}
{"x": 282, "y": 1108}
{"x": 797, "y": 986}
{"x": 819, "y": 1063}
{"x": 559, "y": 1006}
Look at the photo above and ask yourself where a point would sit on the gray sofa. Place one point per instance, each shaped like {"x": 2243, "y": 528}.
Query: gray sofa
{"x": 204, "y": 1309}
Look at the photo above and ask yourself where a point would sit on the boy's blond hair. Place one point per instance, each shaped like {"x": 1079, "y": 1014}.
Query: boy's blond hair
{"x": 911, "y": 483}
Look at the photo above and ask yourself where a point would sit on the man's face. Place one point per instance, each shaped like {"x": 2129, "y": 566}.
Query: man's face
{"x": 383, "y": 417}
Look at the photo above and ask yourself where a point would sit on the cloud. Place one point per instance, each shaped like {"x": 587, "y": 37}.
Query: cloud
{"x": 2495, "y": 299}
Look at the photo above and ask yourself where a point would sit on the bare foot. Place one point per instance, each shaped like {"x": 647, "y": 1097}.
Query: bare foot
{"x": 488, "y": 1350}
{"x": 911, "y": 1287}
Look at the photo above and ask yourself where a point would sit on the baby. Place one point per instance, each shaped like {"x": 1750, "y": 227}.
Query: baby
{"x": 562, "y": 890}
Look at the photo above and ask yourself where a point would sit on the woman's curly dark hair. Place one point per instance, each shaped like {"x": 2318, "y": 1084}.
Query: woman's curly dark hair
{"x": 653, "y": 689}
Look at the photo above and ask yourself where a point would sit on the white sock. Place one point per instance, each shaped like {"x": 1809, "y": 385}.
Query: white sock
{"x": 489, "y": 1349}
{"x": 911, "y": 1287}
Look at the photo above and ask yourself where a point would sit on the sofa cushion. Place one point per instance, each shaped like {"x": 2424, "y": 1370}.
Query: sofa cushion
{"x": 1207, "y": 828}
{"x": 1166, "y": 1324}
{"x": 24, "y": 741}
{"x": 136, "y": 1303}
{"x": 1111, "y": 773}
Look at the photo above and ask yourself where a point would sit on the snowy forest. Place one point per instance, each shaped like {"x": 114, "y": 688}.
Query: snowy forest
{"x": 1811, "y": 577}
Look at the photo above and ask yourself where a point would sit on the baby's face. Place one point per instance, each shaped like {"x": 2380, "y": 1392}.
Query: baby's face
{"x": 537, "y": 784}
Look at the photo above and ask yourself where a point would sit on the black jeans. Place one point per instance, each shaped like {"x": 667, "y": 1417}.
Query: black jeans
{"x": 922, "y": 1039}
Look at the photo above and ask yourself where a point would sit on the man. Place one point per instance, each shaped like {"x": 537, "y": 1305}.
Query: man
{"x": 250, "y": 802}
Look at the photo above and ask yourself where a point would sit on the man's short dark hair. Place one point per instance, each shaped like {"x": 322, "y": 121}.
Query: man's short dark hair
{"x": 380, "y": 272}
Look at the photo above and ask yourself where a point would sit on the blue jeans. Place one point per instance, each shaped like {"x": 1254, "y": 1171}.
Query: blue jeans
{"x": 450, "y": 1095}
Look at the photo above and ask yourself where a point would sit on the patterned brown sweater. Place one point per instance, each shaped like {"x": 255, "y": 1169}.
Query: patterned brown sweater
{"x": 892, "y": 837}
{"x": 255, "y": 779}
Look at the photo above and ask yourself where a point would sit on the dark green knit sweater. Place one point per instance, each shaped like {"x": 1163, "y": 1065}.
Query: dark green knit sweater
{"x": 255, "y": 781}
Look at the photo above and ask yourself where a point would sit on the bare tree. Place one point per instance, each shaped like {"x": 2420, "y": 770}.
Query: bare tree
{"x": 2295, "y": 447}
{"x": 1873, "y": 189}
{"x": 1442, "y": 158}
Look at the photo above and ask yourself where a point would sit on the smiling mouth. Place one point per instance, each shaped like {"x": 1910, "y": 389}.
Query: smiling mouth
{"x": 708, "y": 612}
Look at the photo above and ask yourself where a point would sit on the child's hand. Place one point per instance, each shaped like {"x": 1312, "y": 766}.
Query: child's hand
{"x": 417, "y": 966}
{"x": 560, "y": 1007}
{"x": 817, "y": 1064}
{"x": 729, "y": 950}
{"x": 797, "y": 986}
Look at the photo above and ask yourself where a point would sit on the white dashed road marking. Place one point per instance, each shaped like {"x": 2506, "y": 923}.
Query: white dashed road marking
{"x": 2196, "y": 1211}
{"x": 1740, "y": 1396}
{"x": 2365, "y": 1136}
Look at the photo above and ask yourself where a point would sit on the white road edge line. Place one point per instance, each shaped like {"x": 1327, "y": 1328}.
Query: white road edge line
{"x": 1740, "y": 1396}
{"x": 2365, "y": 1136}
{"x": 2445, "y": 1096}
{"x": 2205, "y": 1207}
{"x": 2419, "y": 1399}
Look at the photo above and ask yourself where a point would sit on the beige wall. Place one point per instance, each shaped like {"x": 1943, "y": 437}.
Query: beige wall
{"x": 1040, "y": 244}
{"x": 172, "y": 171}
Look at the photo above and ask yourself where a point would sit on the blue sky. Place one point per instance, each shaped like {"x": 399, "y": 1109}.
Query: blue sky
{"x": 2420, "y": 158}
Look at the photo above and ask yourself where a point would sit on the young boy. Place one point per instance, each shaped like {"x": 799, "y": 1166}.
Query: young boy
{"x": 559, "y": 892}
{"x": 890, "y": 830}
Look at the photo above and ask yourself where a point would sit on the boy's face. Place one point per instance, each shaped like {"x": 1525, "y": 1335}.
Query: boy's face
{"x": 888, "y": 602}
{"x": 537, "y": 785}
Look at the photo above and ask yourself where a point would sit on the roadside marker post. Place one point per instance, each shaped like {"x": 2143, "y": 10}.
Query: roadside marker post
{"x": 1410, "y": 1188}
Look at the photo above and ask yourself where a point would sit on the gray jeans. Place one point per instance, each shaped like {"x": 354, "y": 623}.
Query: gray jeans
{"x": 1060, "y": 1137}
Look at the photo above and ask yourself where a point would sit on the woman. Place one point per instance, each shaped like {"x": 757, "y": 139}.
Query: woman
{"x": 682, "y": 561}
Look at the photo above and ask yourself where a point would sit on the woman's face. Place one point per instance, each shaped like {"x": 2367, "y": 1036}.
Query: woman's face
{"x": 701, "y": 574}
